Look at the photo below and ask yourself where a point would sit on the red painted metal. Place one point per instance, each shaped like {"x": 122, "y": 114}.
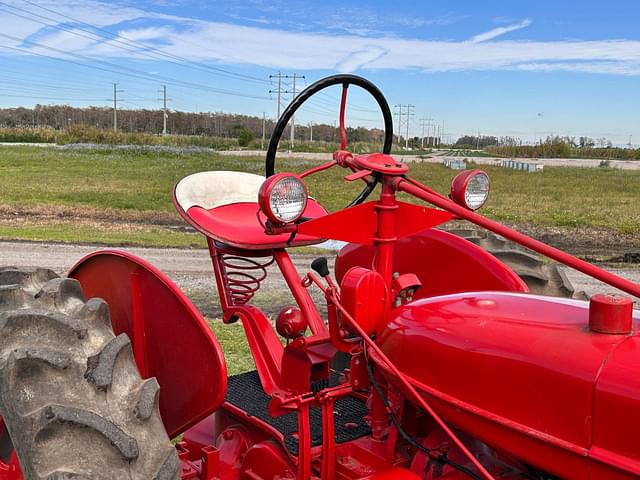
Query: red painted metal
{"x": 9, "y": 465}
{"x": 610, "y": 314}
{"x": 290, "y": 323}
{"x": 614, "y": 446}
{"x": 383, "y": 360}
{"x": 365, "y": 296}
{"x": 304, "y": 362}
{"x": 359, "y": 224}
{"x": 380, "y": 163}
{"x": 524, "y": 240}
{"x": 266, "y": 460}
{"x": 497, "y": 356}
{"x": 459, "y": 186}
{"x": 264, "y": 195}
{"x": 319, "y": 168}
{"x": 466, "y": 363}
{"x": 404, "y": 286}
{"x": 343, "y": 106}
{"x": 300, "y": 293}
{"x": 241, "y": 225}
{"x": 266, "y": 349}
{"x": 394, "y": 473}
{"x": 443, "y": 262}
{"x": 178, "y": 346}
{"x": 386, "y": 235}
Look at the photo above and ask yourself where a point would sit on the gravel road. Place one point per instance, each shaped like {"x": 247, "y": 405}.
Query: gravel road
{"x": 436, "y": 157}
{"x": 439, "y": 157}
{"x": 191, "y": 271}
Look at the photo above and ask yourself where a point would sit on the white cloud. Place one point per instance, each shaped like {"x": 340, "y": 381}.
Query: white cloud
{"x": 361, "y": 58}
{"x": 496, "y": 32}
{"x": 276, "y": 48}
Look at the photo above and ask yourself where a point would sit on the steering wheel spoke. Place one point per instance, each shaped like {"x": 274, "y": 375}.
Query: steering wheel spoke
{"x": 343, "y": 107}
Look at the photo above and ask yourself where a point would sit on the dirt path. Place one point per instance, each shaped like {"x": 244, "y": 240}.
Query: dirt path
{"x": 191, "y": 271}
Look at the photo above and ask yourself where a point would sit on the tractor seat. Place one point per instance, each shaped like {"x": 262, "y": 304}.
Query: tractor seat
{"x": 224, "y": 206}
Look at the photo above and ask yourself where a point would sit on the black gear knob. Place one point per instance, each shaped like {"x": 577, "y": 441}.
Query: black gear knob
{"x": 320, "y": 266}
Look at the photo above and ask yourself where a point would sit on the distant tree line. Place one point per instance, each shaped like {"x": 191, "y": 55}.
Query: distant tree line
{"x": 216, "y": 124}
{"x": 227, "y": 129}
{"x": 551, "y": 147}
{"x": 566, "y": 147}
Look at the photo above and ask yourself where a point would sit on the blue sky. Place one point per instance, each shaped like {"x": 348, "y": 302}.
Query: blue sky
{"x": 525, "y": 69}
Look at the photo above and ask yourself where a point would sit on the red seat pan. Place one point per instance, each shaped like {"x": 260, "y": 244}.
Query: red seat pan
{"x": 237, "y": 225}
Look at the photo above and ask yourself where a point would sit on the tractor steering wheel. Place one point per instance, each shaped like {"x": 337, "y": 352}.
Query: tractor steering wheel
{"x": 345, "y": 80}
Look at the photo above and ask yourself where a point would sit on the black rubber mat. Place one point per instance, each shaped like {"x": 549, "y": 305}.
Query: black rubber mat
{"x": 245, "y": 392}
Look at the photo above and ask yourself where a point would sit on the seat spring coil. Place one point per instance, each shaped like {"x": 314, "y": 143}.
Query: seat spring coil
{"x": 243, "y": 277}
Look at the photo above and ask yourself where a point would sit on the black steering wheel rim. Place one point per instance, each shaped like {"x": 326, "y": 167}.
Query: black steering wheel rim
{"x": 340, "y": 79}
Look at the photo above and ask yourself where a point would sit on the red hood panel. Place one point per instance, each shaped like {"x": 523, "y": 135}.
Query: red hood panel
{"x": 523, "y": 358}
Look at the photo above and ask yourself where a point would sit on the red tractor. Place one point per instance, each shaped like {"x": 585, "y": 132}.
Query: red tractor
{"x": 434, "y": 360}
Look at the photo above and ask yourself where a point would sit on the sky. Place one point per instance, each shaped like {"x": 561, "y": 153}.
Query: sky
{"x": 522, "y": 69}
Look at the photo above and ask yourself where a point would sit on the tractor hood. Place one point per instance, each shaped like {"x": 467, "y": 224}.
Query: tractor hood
{"x": 526, "y": 375}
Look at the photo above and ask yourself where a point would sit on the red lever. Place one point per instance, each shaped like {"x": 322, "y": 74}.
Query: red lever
{"x": 357, "y": 175}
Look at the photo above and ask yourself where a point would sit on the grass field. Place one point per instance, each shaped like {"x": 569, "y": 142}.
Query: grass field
{"x": 124, "y": 197}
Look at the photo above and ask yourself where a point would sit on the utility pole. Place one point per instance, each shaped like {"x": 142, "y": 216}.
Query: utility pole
{"x": 293, "y": 95}
{"x": 630, "y": 144}
{"x": 423, "y": 124}
{"x": 409, "y": 114}
{"x": 264, "y": 121}
{"x": 430, "y": 140}
{"x": 478, "y": 141}
{"x": 164, "y": 110}
{"x": 311, "y": 131}
{"x": 293, "y": 120}
{"x": 399, "y": 113}
{"x": 115, "y": 106}
{"x": 279, "y": 93}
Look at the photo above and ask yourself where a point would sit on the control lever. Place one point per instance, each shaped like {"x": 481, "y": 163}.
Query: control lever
{"x": 321, "y": 266}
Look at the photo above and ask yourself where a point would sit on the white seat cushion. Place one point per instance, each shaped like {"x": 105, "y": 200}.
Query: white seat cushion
{"x": 213, "y": 189}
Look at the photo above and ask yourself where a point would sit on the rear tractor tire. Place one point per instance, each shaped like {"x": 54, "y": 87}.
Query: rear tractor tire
{"x": 71, "y": 395}
{"x": 541, "y": 278}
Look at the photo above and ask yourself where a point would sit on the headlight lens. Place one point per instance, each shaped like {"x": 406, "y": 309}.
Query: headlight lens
{"x": 477, "y": 191}
{"x": 470, "y": 189}
{"x": 283, "y": 198}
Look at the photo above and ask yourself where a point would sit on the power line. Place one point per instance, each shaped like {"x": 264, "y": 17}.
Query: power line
{"x": 148, "y": 49}
{"x": 55, "y": 98}
{"x": 134, "y": 72}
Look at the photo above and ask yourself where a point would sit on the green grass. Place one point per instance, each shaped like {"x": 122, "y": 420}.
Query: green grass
{"x": 132, "y": 191}
{"x": 234, "y": 345}
{"x": 150, "y": 236}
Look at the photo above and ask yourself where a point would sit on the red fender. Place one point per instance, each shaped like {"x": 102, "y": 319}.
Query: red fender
{"x": 444, "y": 263}
{"x": 170, "y": 338}
{"x": 9, "y": 466}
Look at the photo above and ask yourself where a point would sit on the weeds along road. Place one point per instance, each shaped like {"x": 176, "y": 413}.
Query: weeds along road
{"x": 191, "y": 270}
